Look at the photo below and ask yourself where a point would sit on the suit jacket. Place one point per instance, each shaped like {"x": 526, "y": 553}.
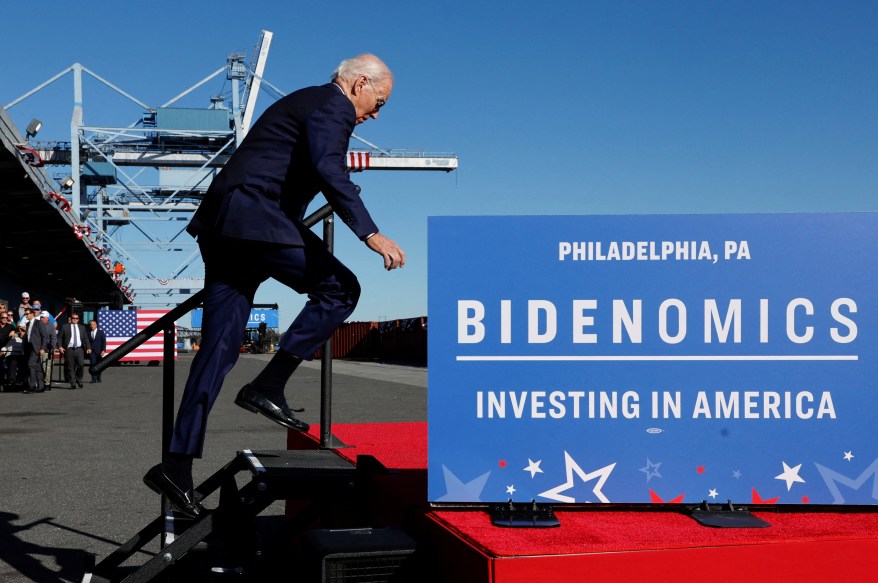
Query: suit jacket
{"x": 296, "y": 149}
{"x": 67, "y": 334}
{"x": 38, "y": 338}
{"x": 51, "y": 335}
{"x": 99, "y": 342}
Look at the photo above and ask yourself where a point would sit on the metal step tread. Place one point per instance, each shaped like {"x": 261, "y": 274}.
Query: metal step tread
{"x": 297, "y": 462}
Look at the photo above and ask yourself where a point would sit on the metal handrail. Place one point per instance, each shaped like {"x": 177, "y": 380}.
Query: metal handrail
{"x": 166, "y": 324}
{"x": 162, "y": 323}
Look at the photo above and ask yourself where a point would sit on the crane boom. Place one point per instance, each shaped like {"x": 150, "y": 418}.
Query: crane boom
{"x": 358, "y": 160}
{"x": 251, "y": 91}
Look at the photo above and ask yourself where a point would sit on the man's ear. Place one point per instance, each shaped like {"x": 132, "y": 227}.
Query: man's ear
{"x": 358, "y": 85}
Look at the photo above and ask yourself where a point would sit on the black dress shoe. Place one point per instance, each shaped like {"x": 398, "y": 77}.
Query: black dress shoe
{"x": 252, "y": 400}
{"x": 183, "y": 502}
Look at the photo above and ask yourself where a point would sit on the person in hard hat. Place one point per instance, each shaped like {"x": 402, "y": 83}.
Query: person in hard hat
{"x": 250, "y": 228}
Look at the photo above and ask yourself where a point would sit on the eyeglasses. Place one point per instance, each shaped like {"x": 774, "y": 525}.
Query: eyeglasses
{"x": 379, "y": 103}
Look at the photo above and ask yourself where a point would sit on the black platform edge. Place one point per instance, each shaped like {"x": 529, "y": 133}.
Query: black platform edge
{"x": 296, "y": 462}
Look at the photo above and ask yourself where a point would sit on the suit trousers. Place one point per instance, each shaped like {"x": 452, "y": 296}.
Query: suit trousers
{"x": 75, "y": 361}
{"x": 93, "y": 357}
{"x": 34, "y": 365}
{"x": 234, "y": 269}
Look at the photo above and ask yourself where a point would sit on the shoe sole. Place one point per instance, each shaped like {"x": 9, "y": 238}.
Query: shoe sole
{"x": 245, "y": 405}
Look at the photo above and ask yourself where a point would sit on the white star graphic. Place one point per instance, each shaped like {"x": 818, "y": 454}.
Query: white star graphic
{"x": 510, "y": 490}
{"x": 533, "y": 467}
{"x": 790, "y": 475}
{"x": 459, "y": 491}
{"x": 713, "y": 493}
{"x": 737, "y": 474}
{"x": 848, "y": 455}
{"x": 571, "y": 466}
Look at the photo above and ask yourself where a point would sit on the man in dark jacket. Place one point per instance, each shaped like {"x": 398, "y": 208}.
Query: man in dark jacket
{"x": 75, "y": 345}
{"x": 98, "y": 340}
{"x": 51, "y": 347}
{"x": 250, "y": 227}
{"x": 7, "y": 336}
{"x": 36, "y": 342}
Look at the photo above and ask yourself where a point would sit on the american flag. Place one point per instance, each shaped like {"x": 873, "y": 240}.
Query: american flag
{"x": 120, "y": 325}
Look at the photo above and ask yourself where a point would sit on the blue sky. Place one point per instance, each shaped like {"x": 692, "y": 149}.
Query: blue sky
{"x": 553, "y": 108}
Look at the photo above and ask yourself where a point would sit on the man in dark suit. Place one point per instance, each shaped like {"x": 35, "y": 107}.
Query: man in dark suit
{"x": 51, "y": 347}
{"x": 98, "y": 340}
{"x": 35, "y": 342}
{"x": 74, "y": 345}
{"x": 250, "y": 227}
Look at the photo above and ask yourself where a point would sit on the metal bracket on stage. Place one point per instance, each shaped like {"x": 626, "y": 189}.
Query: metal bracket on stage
{"x": 725, "y": 516}
{"x": 523, "y": 515}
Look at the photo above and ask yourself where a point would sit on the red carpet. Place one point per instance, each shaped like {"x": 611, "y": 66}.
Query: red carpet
{"x": 398, "y": 446}
{"x": 615, "y": 545}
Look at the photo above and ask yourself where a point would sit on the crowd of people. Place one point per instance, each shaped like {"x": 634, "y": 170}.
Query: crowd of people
{"x": 33, "y": 341}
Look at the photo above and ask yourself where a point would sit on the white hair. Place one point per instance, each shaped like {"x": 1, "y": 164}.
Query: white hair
{"x": 369, "y": 65}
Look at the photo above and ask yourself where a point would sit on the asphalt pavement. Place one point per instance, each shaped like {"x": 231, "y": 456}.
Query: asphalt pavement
{"x": 72, "y": 461}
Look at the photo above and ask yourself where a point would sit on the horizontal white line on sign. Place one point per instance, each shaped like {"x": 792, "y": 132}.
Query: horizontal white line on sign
{"x": 689, "y": 357}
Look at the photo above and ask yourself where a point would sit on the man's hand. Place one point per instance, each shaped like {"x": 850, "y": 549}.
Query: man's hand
{"x": 393, "y": 256}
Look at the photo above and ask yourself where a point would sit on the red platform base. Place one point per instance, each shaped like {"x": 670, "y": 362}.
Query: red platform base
{"x": 657, "y": 547}
{"x": 465, "y": 547}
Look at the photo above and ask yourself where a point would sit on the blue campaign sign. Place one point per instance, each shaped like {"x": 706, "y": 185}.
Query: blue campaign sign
{"x": 257, "y": 316}
{"x": 654, "y": 358}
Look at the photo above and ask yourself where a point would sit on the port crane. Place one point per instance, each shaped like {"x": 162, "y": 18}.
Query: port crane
{"x": 132, "y": 189}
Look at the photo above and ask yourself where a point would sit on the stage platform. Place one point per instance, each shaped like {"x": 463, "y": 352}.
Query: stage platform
{"x": 612, "y": 545}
